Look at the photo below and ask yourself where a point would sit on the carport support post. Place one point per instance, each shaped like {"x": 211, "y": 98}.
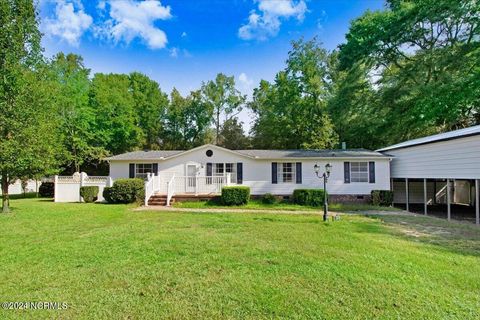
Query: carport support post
{"x": 425, "y": 196}
{"x": 477, "y": 202}
{"x": 449, "y": 200}
{"x": 407, "y": 196}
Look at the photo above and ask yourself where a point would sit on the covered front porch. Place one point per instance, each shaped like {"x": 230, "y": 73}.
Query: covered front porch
{"x": 169, "y": 184}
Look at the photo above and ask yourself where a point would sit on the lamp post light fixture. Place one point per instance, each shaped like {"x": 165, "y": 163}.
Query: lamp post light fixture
{"x": 324, "y": 176}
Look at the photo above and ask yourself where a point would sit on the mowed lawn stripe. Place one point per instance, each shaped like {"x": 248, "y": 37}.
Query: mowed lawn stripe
{"x": 109, "y": 261}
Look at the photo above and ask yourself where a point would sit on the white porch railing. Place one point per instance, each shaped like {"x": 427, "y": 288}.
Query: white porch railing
{"x": 200, "y": 184}
{"x": 170, "y": 190}
{"x": 170, "y": 184}
{"x": 149, "y": 187}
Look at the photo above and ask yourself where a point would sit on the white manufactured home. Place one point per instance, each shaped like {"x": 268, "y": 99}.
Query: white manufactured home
{"x": 206, "y": 169}
{"x": 438, "y": 172}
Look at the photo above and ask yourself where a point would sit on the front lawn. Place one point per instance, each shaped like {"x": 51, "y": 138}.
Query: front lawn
{"x": 284, "y": 205}
{"x": 109, "y": 262}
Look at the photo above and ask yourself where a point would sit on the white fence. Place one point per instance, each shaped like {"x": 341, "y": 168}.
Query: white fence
{"x": 67, "y": 188}
{"x": 16, "y": 187}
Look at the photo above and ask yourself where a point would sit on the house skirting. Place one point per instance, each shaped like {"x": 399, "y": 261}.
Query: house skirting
{"x": 332, "y": 198}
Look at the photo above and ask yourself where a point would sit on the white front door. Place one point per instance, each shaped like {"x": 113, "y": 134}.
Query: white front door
{"x": 191, "y": 183}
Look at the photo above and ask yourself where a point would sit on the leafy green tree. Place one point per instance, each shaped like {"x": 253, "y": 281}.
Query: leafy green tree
{"x": 224, "y": 99}
{"x": 187, "y": 121}
{"x": 292, "y": 112}
{"x": 28, "y": 126}
{"x": 116, "y": 117}
{"x": 76, "y": 114}
{"x": 150, "y": 105}
{"x": 422, "y": 57}
{"x": 232, "y": 135}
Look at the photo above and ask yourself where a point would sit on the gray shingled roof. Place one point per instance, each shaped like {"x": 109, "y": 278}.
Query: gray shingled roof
{"x": 145, "y": 155}
{"x": 475, "y": 130}
{"x": 259, "y": 154}
{"x": 278, "y": 154}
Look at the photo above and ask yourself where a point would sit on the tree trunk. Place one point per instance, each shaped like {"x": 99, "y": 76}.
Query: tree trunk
{"x": 5, "y": 199}
{"x": 218, "y": 127}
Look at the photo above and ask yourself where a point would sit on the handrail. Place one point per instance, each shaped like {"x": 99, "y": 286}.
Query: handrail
{"x": 149, "y": 189}
{"x": 170, "y": 190}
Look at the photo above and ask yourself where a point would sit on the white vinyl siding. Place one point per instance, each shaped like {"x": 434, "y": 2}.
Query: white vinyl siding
{"x": 286, "y": 172}
{"x": 454, "y": 159}
{"x": 358, "y": 172}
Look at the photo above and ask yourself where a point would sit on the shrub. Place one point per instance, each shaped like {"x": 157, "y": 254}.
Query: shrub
{"x": 269, "y": 198}
{"x": 125, "y": 191}
{"x": 89, "y": 193}
{"x": 107, "y": 194}
{"x": 47, "y": 189}
{"x": 309, "y": 197}
{"x": 235, "y": 196}
{"x": 382, "y": 197}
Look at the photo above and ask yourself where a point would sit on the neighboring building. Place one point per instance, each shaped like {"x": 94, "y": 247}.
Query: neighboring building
{"x": 438, "y": 170}
{"x": 205, "y": 169}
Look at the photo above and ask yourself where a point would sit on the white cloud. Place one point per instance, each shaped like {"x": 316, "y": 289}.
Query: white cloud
{"x": 69, "y": 22}
{"x": 245, "y": 84}
{"x": 130, "y": 19}
{"x": 184, "y": 34}
{"x": 174, "y": 52}
{"x": 267, "y": 21}
{"x": 101, "y": 5}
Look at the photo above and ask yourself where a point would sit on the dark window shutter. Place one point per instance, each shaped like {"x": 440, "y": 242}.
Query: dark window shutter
{"x": 131, "y": 170}
{"x": 298, "y": 173}
{"x": 371, "y": 172}
{"x": 239, "y": 172}
{"x": 209, "y": 173}
{"x": 155, "y": 169}
{"x": 274, "y": 172}
{"x": 346, "y": 172}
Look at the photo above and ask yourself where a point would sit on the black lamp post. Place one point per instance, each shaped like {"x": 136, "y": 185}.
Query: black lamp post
{"x": 325, "y": 177}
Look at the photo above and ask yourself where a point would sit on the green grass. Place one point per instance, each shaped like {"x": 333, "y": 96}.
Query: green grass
{"x": 23, "y": 195}
{"x": 109, "y": 262}
{"x": 258, "y": 205}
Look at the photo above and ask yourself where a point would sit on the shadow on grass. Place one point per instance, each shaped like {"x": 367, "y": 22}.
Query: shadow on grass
{"x": 458, "y": 237}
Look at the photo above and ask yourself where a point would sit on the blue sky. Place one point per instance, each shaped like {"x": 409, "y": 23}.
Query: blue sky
{"x": 182, "y": 43}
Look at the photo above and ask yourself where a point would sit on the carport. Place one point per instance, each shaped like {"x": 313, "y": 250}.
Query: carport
{"x": 439, "y": 174}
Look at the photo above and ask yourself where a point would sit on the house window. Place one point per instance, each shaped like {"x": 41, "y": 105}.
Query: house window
{"x": 231, "y": 168}
{"x": 219, "y": 169}
{"x": 142, "y": 169}
{"x": 359, "y": 171}
{"x": 286, "y": 172}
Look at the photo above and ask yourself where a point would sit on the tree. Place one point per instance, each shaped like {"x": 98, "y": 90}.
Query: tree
{"x": 187, "y": 121}
{"x": 28, "y": 126}
{"x": 422, "y": 57}
{"x": 116, "y": 117}
{"x": 223, "y": 98}
{"x": 150, "y": 105}
{"x": 292, "y": 112}
{"x": 232, "y": 135}
{"x": 76, "y": 114}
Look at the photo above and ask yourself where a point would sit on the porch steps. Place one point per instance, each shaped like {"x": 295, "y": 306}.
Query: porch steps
{"x": 159, "y": 200}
